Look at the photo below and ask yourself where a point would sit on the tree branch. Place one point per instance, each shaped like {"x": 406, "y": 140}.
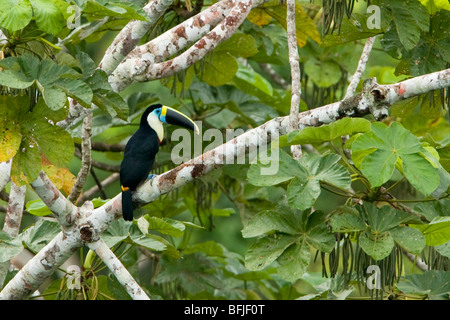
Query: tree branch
{"x": 85, "y": 159}
{"x": 5, "y": 173}
{"x": 144, "y": 62}
{"x": 64, "y": 210}
{"x": 351, "y": 89}
{"x": 13, "y": 220}
{"x": 85, "y": 225}
{"x": 131, "y": 34}
{"x": 119, "y": 271}
{"x": 89, "y": 193}
{"x": 295, "y": 74}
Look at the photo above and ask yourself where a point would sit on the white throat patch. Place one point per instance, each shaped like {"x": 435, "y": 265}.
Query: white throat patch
{"x": 156, "y": 124}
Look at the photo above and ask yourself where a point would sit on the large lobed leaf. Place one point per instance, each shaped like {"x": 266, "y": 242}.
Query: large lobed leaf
{"x": 379, "y": 151}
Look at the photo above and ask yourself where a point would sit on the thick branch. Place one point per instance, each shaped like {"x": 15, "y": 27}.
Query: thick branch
{"x": 91, "y": 223}
{"x": 63, "y": 209}
{"x": 119, "y": 271}
{"x": 144, "y": 62}
{"x": 131, "y": 34}
{"x": 41, "y": 266}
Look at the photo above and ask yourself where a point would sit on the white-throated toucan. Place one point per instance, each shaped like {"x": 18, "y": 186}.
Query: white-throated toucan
{"x": 142, "y": 148}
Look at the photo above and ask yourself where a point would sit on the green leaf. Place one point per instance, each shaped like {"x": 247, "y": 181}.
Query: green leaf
{"x": 305, "y": 27}
{"x": 384, "y": 218}
{"x": 47, "y": 137}
{"x": 433, "y": 209}
{"x": 328, "y": 132}
{"x": 167, "y": 226}
{"x": 252, "y": 82}
{"x": 378, "y": 246}
{"x": 317, "y": 233}
{"x": 411, "y": 239}
{"x": 434, "y": 6}
{"x": 112, "y": 9}
{"x": 294, "y": 261}
{"x": 266, "y": 250}
{"x": 48, "y": 16}
{"x": 15, "y": 14}
{"x": 210, "y": 248}
{"x": 304, "y": 190}
{"x": 14, "y": 79}
{"x": 11, "y": 108}
{"x": 56, "y": 82}
{"x": 118, "y": 231}
{"x": 151, "y": 242}
{"x": 40, "y": 234}
{"x": 76, "y": 89}
{"x": 104, "y": 97}
{"x": 9, "y": 247}
{"x": 380, "y": 150}
{"x": 409, "y": 22}
{"x": 27, "y": 163}
{"x": 220, "y": 69}
{"x": 273, "y": 168}
{"x": 268, "y": 221}
{"x": 323, "y": 73}
{"x": 433, "y": 50}
{"x": 444, "y": 249}
{"x": 437, "y": 232}
{"x": 346, "y": 219}
{"x": 434, "y": 284}
{"x": 37, "y": 208}
{"x": 238, "y": 45}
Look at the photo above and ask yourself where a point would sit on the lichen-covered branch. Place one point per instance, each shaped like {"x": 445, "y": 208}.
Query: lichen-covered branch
{"x": 85, "y": 159}
{"x": 131, "y": 34}
{"x": 41, "y": 266}
{"x": 117, "y": 268}
{"x": 5, "y": 173}
{"x": 85, "y": 225}
{"x": 64, "y": 210}
{"x": 13, "y": 220}
{"x": 146, "y": 62}
{"x": 89, "y": 193}
{"x": 295, "y": 74}
{"x": 351, "y": 89}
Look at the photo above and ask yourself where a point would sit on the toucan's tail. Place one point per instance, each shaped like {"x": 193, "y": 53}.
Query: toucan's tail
{"x": 127, "y": 204}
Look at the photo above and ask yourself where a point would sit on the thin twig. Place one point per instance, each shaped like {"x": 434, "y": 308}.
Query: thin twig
{"x": 90, "y": 193}
{"x": 361, "y": 67}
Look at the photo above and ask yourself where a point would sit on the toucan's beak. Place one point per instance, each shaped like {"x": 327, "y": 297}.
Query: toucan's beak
{"x": 175, "y": 117}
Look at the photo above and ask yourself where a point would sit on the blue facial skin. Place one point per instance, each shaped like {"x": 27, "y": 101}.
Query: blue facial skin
{"x": 161, "y": 117}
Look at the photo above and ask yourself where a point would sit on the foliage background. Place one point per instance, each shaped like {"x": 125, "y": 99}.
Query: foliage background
{"x": 200, "y": 241}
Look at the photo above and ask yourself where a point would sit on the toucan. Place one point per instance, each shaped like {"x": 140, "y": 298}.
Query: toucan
{"x": 141, "y": 149}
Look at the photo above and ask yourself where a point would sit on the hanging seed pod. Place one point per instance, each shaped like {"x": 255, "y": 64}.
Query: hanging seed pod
{"x": 333, "y": 12}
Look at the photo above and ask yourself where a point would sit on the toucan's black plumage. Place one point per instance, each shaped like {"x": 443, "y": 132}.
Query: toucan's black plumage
{"x": 141, "y": 150}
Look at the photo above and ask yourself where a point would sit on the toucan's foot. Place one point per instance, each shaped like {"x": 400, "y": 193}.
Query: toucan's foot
{"x": 151, "y": 177}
